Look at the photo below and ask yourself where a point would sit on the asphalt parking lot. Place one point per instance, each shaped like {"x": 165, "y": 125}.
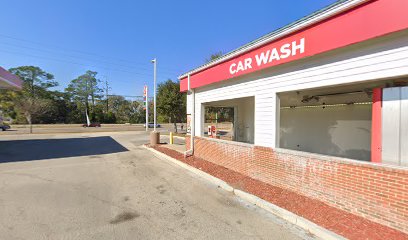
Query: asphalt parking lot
{"x": 106, "y": 186}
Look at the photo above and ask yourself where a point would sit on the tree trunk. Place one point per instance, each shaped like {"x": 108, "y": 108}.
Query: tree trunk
{"x": 29, "y": 120}
{"x": 92, "y": 95}
{"x": 87, "y": 117}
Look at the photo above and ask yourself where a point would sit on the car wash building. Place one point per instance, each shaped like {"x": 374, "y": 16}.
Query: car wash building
{"x": 319, "y": 107}
{"x": 9, "y": 80}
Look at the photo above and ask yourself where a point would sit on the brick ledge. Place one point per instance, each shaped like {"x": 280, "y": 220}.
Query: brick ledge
{"x": 341, "y": 160}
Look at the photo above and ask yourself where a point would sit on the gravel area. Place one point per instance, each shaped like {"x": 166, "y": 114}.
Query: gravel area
{"x": 336, "y": 220}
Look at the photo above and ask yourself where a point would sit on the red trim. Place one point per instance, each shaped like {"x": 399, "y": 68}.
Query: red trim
{"x": 376, "y": 130}
{"x": 373, "y": 19}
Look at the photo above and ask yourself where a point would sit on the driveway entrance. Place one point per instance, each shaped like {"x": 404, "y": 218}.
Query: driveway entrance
{"x": 97, "y": 186}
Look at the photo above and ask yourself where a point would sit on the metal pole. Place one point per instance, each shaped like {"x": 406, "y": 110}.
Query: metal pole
{"x": 107, "y": 95}
{"x": 154, "y": 61}
{"x": 147, "y": 108}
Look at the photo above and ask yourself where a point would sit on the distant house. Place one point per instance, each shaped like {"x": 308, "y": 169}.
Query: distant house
{"x": 9, "y": 81}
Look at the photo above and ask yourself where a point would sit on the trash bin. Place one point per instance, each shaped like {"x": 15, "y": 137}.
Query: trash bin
{"x": 154, "y": 138}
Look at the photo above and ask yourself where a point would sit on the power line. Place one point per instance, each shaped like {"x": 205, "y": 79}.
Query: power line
{"x": 76, "y": 63}
{"x": 74, "y": 50}
{"x": 75, "y": 57}
{"x": 107, "y": 94}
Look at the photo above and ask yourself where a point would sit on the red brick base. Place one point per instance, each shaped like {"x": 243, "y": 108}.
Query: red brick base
{"x": 376, "y": 192}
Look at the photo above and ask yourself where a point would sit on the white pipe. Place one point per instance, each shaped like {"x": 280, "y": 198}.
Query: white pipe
{"x": 190, "y": 152}
{"x": 147, "y": 108}
{"x": 188, "y": 83}
{"x": 192, "y": 121}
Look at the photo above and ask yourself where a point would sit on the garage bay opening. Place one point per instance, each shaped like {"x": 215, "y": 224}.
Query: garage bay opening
{"x": 231, "y": 120}
{"x": 332, "y": 121}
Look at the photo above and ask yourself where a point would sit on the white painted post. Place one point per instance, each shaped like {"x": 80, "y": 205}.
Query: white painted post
{"x": 154, "y": 61}
{"x": 147, "y": 107}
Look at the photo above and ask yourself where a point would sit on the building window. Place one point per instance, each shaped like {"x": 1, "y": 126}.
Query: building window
{"x": 231, "y": 120}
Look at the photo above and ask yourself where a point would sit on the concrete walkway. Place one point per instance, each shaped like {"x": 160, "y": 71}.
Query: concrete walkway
{"x": 115, "y": 189}
{"x": 179, "y": 144}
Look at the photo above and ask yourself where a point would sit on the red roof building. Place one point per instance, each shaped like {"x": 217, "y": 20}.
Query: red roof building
{"x": 318, "y": 107}
{"x": 9, "y": 81}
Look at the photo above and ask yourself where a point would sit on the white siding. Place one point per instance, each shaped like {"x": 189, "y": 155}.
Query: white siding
{"x": 391, "y": 117}
{"x": 394, "y": 126}
{"x": 404, "y": 127}
{"x": 328, "y": 130}
{"x": 380, "y": 58}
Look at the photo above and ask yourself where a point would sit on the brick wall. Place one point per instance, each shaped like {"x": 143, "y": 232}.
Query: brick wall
{"x": 376, "y": 192}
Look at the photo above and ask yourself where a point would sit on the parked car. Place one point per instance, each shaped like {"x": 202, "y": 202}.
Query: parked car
{"x": 92, "y": 125}
{"x": 151, "y": 125}
{"x": 4, "y": 127}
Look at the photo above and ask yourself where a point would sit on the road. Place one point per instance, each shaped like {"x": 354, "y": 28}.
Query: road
{"x": 77, "y": 128}
{"x": 106, "y": 186}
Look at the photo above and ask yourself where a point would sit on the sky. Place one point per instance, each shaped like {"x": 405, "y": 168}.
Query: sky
{"x": 118, "y": 39}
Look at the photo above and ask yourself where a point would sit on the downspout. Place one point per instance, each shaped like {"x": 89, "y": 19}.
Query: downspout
{"x": 191, "y": 91}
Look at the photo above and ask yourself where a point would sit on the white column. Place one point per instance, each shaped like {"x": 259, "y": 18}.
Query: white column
{"x": 147, "y": 108}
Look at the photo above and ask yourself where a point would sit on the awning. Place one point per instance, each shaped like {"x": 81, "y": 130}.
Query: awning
{"x": 9, "y": 81}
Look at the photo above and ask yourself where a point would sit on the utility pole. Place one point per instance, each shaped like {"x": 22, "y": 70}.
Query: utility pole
{"x": 107, "y": 95}
{"x": 146, "y": 100}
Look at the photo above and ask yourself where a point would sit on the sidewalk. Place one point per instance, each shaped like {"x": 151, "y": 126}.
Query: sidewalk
{"x": 179, "y": 143}
{"x": 333, "y": 219}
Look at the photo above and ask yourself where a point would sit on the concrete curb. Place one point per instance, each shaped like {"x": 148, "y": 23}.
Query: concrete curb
{"x": 309, "y": 226}
{"x": 178, "y": 137}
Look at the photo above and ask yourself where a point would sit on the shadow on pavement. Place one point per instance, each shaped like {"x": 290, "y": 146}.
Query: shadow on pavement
{"x": 40, "y": 149}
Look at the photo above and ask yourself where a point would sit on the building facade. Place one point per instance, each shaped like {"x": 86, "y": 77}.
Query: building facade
{"x": 319, "y": 107}
{"x": 9, "y": 81}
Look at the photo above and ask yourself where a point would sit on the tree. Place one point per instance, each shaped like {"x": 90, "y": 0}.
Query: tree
{"x": 38, "y": 103}
{"x": 32, "y": 100}
{"x": 7, "y": 106}
{"x": 84, "y": 90}
{"x": 171, "y": 102}
{"x": 126, "y": 111}
{"x": 219, "y": 114}
{"x": 137, "y": 112}
{"x": 214, "y": 56}
{"x": 34, "y": 78}
{"x": 110, "y": 118}
{"x": 120, "y": 108}
{"x": 32, "y": 107}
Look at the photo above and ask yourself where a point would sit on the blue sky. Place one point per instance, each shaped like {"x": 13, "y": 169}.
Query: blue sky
{"x": 119, "y": 38}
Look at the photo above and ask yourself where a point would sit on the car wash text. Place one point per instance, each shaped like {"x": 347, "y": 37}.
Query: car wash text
{"x": 275, "y": 54}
